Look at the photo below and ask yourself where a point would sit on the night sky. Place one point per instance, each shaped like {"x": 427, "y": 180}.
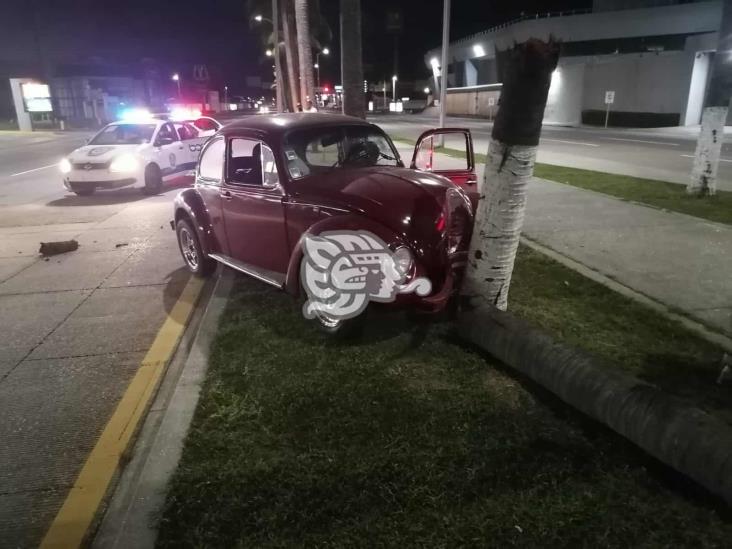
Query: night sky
{"x": 179, "y": 33}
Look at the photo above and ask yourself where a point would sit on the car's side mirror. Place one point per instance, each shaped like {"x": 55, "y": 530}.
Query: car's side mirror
{"x": 164, "y": 141}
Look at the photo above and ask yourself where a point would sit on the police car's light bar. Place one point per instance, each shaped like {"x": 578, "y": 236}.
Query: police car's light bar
{"x": 135, "y": 114}
{"x": 184, "y": 113}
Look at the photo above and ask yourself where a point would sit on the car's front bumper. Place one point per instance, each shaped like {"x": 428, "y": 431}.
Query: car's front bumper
{"x": 88, "y": 185}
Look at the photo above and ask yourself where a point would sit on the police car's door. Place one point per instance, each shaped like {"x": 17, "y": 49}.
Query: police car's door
{"x": 192, "y": 144}
{"x": 169, "y": 150}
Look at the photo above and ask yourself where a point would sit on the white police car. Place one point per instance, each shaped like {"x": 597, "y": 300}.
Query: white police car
{"x": 142, "y": 152}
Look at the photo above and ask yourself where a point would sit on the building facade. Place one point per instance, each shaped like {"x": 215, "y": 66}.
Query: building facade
{"x": 655, "y": 56}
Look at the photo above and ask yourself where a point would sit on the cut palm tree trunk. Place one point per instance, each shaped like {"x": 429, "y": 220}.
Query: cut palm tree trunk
{"x": 508, "y": 170}
{"x": 709, "y": 145}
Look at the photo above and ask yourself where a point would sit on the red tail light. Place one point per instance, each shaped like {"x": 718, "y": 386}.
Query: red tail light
{"x": 440, "y": 225}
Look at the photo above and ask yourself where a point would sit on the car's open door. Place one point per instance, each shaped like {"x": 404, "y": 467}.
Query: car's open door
{"x": 458, "y": 164}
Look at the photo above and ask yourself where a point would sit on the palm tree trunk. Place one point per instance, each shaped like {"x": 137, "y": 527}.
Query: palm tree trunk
{"x": 709, "y": 145}
{"x": 509, "y": 167}
{"x": 305, "y": 54}
{"x": 293, "y": 74}
{"x": 351, "y": 59}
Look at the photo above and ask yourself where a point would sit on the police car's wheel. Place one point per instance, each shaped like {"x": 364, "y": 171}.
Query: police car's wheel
{"x": 190, "y": 248}
{"x": 153, "y": 179}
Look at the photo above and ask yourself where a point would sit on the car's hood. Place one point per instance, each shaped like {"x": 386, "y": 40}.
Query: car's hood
{"x": 101, "y": 153}
{"x": 402, "y": 199}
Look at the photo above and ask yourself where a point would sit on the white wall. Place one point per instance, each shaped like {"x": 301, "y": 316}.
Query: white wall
{"x": 642, "y": 82}
{"x": 564, "y": 102}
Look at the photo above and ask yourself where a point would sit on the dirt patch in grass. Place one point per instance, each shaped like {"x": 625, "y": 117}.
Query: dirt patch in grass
{"x": 402, "y": 438}
{"x": 626, "y": 334}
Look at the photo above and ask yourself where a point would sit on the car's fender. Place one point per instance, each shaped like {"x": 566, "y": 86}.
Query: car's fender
{"x": 346, "y": 222}
{"x": 188, "y": 203}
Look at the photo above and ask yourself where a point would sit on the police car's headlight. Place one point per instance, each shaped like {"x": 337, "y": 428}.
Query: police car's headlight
{"x": 64, "y": 165}
{"x": 123, "y": 164}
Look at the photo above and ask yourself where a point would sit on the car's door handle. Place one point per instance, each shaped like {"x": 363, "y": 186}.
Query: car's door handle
{"x": 226, "y": 195}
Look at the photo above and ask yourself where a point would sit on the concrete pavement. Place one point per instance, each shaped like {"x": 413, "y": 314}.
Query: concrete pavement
{"x": 680, "y": 261}
{"x": 73, "y": 328}
{"x": 661, "y": 153}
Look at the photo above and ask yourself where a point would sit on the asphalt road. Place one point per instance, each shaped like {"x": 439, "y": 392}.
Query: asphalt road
{"x": 663, "y": 153}
{"x": 73, "y": 329}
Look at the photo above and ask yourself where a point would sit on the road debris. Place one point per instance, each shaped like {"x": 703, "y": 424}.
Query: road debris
{"x": 120, "y": 245}
{"x": 60, "y": 247}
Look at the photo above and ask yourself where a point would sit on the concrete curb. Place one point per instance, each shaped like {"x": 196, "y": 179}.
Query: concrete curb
{"x": 685, "y": 438}
{"x": 131, "y": 516}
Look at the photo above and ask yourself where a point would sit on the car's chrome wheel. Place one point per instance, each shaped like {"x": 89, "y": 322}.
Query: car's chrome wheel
{"x": 188, "y": 248}
{"x": 328, "y": 323}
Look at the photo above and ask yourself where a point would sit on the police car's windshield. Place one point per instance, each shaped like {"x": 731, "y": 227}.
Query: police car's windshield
{"x": 124, "y": 134}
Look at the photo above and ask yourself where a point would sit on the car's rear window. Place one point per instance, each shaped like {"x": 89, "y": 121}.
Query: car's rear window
{"x": 322, "y": 149}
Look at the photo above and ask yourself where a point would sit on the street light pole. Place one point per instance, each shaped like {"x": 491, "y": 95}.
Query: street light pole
{"x": 443, "y": 68}
{"x": 176, "y": 79}
{"x": 324, "y": 51}
{"x": 393, "y": 89}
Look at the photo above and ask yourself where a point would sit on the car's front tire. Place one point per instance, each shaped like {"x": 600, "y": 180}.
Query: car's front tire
{"x": 198, "y": 263}
{"x": 153, "y": 180}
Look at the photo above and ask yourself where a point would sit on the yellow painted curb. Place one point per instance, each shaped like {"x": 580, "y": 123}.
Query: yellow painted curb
{"x": 68, "y": 529}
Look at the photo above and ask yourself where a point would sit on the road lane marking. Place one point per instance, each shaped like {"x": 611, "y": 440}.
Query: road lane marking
{"x": 570, "y": 142}
{"x": 644, "y": 141}
{"x": 34, "y": 170}
{"x": 69, "y": 528}
{"x": 721, "y": 159}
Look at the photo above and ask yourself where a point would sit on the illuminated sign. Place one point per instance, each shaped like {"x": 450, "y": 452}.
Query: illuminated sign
{"x": 36, "y": 97}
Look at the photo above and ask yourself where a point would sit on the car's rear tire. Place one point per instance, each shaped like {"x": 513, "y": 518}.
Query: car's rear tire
{"x": 153, "y": 180}
{"x": 198, "y": 263}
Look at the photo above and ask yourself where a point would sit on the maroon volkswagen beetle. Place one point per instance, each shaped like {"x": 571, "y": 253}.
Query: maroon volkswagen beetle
{"x": 264, "y": 182}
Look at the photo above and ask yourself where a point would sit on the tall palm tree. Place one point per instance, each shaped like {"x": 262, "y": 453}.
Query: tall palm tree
{"x": 351, "y": 59}
{"x": 293, "y": 68}
{"x": 304, "y": 51}
{"x": 509, "y": 167}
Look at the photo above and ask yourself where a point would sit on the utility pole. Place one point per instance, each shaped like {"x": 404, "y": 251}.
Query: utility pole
{"x": 443, "y": 68}
{"x": 709, "y": 145}
{"x": 278, "y": 68}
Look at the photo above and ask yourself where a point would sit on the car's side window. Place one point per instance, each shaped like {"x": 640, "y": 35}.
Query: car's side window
{"x": 244, "y": 162}
{"x": 211, "y": 164}
{"x": 167, "y": 132}
{"x": 186, "y": 132}
{"x": 205, "y": 124}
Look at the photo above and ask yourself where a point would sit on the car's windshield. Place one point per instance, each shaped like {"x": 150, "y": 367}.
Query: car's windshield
{"x": 124, "y": 134}
{"x": 324, "y": 149}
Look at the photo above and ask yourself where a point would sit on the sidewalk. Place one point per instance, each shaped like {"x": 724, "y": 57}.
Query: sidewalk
{"x": 681, "y": 261}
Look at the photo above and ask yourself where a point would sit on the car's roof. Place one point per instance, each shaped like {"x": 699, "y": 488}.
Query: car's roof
{"x": 280, "y": 123}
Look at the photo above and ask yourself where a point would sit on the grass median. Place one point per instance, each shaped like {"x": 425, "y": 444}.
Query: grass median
{"x": 619, "y": 330}
{"x": 659, "y": 194}
{"x": 402, "y": 438}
